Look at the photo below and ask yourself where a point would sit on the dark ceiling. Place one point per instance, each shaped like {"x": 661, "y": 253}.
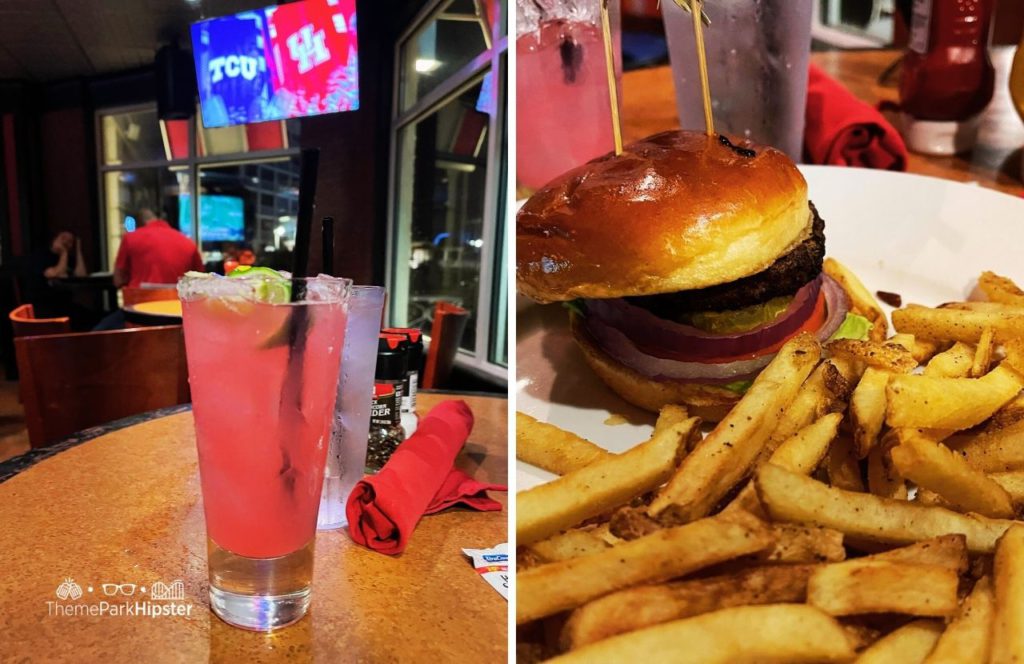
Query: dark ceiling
{"x": 45, "y": 40}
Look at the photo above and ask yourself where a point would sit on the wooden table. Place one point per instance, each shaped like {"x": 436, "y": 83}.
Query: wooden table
{"x": 649, "y": 107}
{"x": 126, "y": 508}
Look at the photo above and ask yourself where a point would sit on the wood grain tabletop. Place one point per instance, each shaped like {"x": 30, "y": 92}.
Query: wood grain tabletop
{"x": 995, "y": 162}
{"x": 125, "y": 508}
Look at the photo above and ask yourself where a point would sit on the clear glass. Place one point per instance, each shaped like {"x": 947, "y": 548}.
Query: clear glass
{"x": 264, "y": 379}
{"x": 563, "y": 108}
{"x": 443, "y": 176}
{"x": 126, "y": 192}
{"x": 346, "y": 456}
{"x": 459, "y": 32}
{"x": 248, "y": 207}
{"x": 757, "y": 54}
{"x": 132, "y": 137}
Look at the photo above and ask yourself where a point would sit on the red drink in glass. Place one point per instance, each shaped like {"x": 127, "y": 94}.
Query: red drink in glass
{"x": 263, "y": 379}
{"x": 562, "y": 104}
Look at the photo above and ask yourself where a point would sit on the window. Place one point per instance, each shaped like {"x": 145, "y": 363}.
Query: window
{"x": 447, "y": 229}
{"x": 247, "y": 183}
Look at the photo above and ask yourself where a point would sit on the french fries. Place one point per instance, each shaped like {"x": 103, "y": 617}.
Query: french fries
{"x": 909, "y": 644}
{"x": 725, "y": 457}
{"x": 1000, "y": 289}
{"x": 968, "y": 637}
{"x": 948, "y": 551}
{"x": 817, "y": 396}
{"x": 842, "y": 468}
{"x": 864, "y": 537}
{"x": 1000, "y": 450}
{"x": 864, "y": 303}
{"x": 666, "y": 554}
{"x": 570, "y": 544}
{"x": 555, "y": 450}
{"x": 787, "y": 496}
{"x": 601, "y": 486}
{"x": 949, "y": 403}
{"x": 883, "y": 478}
{"x": 801, "y": 453}
{"x": 957, "y": 324}
{"x": 867, "y": 410}
{"x": 874, "y": 586}
{"x": 770, "y": 633}
{"x": 983, "y": 353}
{"x": 955, "y": 362}
{"x": 936, "y": 467}
{"x": 880, "y": 355}
{"x": 1007, "y": 632}
{"x": 637, "y": 608}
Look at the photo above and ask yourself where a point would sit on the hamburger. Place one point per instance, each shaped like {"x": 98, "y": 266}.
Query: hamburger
{"x": 686, "y": 262}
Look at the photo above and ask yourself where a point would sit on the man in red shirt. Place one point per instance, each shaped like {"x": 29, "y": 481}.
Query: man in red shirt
{"x": 154, "y": 254}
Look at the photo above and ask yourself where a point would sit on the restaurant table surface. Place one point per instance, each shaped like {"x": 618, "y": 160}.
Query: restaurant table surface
{"x": 125, "y": 507}
{"x": 648, "y": 107}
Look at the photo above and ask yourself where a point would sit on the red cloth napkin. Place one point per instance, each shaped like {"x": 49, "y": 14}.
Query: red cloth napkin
{"x": 418, "y": 479}
{"x": 844, "y": 131}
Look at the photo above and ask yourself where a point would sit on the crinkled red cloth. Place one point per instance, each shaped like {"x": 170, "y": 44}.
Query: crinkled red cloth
{"x": 418, "y": 479}
{"x": 842, "y": 130}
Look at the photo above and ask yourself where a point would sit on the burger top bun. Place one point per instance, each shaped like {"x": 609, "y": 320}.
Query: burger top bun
{"x": 676, "y": 211}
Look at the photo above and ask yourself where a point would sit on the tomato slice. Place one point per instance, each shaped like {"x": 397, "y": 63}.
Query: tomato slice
{"x": 813, "y": 323}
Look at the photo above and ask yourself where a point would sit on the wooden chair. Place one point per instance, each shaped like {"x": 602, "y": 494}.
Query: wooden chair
{"x": 70, "y": 382}
{"x": 24, "y": 323}
{"x": 445, "y": 335}
{"x": 148, "y": 294}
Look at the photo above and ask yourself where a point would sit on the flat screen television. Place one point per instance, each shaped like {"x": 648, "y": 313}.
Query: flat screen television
{"x": 279, "y": 62}
{"x": 222, "y": 217}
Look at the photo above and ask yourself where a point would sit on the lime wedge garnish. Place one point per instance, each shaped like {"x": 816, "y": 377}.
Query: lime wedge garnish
{"x": 273, "y": 286}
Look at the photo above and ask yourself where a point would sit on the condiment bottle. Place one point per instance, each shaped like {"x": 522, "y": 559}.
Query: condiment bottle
{"x": 385, "y": 431}
{"x": 947, "y": 76}
{"x": 415, "y": 361}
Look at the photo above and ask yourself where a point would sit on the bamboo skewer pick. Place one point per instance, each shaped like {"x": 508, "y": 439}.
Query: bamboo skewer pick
{"x": 702, "y": 63}
{"x": 613, "y": 91}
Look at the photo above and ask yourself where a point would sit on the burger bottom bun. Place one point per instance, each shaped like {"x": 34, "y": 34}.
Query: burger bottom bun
{"x": 708, "y": 402}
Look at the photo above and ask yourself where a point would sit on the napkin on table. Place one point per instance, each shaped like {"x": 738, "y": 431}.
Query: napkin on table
{"x": 842, "y": 130}
{"x": 418, "y": 479}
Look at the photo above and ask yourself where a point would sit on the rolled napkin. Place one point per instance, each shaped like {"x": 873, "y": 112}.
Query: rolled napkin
{"x": 842, "y": 130}
{"x": 418, "y": 479}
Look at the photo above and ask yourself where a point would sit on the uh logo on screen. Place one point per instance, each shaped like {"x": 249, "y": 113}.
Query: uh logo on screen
{"x": 233, "y": 66}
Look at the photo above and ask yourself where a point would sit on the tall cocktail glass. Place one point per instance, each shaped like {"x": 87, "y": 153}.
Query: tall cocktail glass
{"x": 757, "y": 53}
{"x": 263, "y": 373}
{"x": 562, "y": 109}
{"x": 346, "y": 456}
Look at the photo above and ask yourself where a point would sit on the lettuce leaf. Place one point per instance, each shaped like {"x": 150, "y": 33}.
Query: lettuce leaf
{"x": 852, "y": 327}
{"x": 738, "y": 386}
{"x": 577, "y": 306}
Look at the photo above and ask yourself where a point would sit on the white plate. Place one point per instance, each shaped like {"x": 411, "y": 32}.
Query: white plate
{"x": 924, "y": 238}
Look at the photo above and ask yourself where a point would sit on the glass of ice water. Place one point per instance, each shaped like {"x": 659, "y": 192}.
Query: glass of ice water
{"x": 757, "y": 53}
{"x": 346, "y": 455}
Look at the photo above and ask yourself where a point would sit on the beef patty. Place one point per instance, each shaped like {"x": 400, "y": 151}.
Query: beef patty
{"x": 783, "y": 277}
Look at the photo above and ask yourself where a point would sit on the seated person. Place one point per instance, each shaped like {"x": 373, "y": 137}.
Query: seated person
{"x": 156, "y": 253}
{"x": 61, "y": 259}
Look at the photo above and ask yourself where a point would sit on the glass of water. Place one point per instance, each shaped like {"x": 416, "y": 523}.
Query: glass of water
{"x": 346, "y": 455}
{"x": 757, "y": 53}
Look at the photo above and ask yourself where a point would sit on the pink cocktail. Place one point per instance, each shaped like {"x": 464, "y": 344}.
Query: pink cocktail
{"x": 263, "y": 377}
{"x": 562, "y": 104}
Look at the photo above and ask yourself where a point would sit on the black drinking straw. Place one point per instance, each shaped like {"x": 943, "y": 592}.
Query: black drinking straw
{"x": 290, "y": 408}
{"x": 327, "y": 244}
{"x": 309, "y": 165}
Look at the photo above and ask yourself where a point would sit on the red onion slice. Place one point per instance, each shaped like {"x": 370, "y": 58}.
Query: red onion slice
{"x": 667, "y": 339}
{"x": 619, "y": 346}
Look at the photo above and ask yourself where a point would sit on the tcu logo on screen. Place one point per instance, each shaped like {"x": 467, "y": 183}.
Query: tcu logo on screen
{"x": 234, "y": 66}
